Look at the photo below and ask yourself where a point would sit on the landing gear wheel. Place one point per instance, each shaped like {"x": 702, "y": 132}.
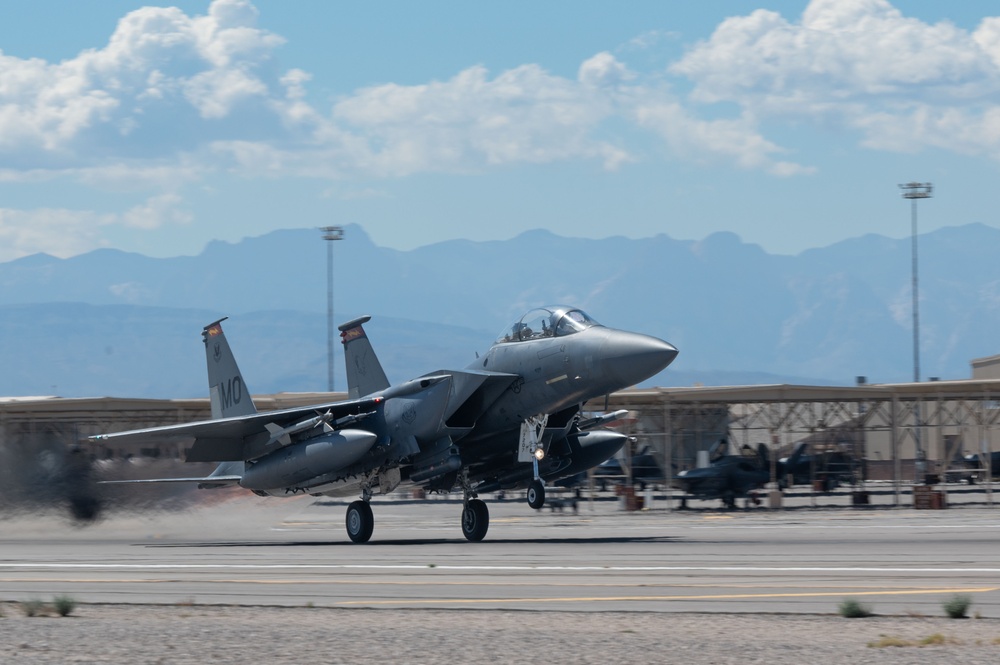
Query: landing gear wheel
{"x": 475, "y": 520}
{"x": 360, "y": 521}
{"x": 536, "y": 494}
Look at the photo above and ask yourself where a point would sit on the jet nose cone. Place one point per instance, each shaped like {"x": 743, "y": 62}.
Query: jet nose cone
{"x": 630, "y": 358}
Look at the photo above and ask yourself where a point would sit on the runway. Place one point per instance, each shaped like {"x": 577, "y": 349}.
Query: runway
{"x": 273, "y": 552}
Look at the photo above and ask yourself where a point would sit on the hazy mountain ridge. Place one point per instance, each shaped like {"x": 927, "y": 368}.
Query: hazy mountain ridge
{"x": 734, "y": 310}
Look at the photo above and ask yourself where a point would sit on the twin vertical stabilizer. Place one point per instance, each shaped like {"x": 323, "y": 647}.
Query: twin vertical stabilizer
{"x": 227, "y": 391}
{"x": 364, "y": 372}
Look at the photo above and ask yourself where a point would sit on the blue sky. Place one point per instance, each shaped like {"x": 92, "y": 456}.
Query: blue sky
{"x": 157, "y": 128}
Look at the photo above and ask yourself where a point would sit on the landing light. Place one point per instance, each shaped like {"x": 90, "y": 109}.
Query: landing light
{"x": 539, "y": 454}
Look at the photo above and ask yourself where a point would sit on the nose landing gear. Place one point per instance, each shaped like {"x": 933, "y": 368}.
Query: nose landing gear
{"x": 536, "y": 493}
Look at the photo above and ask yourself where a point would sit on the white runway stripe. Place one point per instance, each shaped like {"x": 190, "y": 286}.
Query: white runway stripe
{"x": 429, "y": 567}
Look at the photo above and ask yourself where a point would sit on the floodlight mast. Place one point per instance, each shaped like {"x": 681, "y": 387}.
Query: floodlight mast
{"x": 915, "y": 191}
{"x": 330, "y": 234}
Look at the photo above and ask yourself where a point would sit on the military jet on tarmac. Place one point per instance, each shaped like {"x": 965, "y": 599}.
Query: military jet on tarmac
{"x": 509, "y": 420}
{"x": 829, "y": 467}
{"x": 977, "y": 461}
{"x": 727, "y": 476}
{"x": 644, "y": 469}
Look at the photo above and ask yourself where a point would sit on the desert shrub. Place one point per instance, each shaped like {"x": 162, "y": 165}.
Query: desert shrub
{"x": 64, "y": 605}
{"x": 957, "y": 607}
{"x": 853, "y": 609}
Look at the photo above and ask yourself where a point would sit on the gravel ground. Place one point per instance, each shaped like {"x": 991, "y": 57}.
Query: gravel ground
{"x": 199, "y": 634}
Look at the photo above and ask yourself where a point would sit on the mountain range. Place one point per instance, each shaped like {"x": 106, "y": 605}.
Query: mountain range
{"x": 122, "y": 324}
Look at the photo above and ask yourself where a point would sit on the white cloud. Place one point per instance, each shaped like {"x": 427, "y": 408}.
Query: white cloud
{"x": 862, "y": 64}
{"x": 141, "y": 93}
{"x": 58, "y": 232}
{"x": 603, "y": 70}
{"x": 156, "y": 212}
{"x": 522, "y": 115}
{"x": 215, "y": 93}
{"x": 711, "y": 140}
{"x": 62, "y": 232}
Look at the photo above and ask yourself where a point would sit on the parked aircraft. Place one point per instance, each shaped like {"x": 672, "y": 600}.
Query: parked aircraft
{"x": 977, "y": 461}
{"x": 643, "y": 469}
{"x": 509, "y": 420}
{"x": 830, "y": 467}
{"x": 728, "y": 476}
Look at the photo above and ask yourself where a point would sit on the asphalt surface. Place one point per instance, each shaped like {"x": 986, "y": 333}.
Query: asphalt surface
{"x": 248, "y": 551}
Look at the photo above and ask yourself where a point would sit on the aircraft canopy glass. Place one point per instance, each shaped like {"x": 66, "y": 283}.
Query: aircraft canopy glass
{"x": 555, "y": 321}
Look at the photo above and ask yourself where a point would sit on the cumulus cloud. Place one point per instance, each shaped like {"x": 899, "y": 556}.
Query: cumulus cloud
{"x": 604, "y": 70}
{"x": 862, "y": 64}
{"x": 521, "y": 115}
{"x": 152, "y": 92}
{"x": 736, "y": 141}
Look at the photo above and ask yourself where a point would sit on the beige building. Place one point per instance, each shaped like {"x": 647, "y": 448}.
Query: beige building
{"x": 986, "y": 368}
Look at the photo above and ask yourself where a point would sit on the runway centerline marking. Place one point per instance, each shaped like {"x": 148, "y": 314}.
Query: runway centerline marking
{"x": 605, "y": 599}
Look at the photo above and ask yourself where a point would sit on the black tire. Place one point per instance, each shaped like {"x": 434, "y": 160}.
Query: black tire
{"x": 475, "y": 520}
{"x": 536, "y": 494}
{"x": 360, "y": 521}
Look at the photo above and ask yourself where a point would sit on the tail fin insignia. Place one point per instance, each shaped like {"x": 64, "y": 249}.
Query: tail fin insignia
{"x": 352, "y": 334}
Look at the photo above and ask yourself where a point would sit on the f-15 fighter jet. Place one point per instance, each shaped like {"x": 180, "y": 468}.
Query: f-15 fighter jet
{"x": 512, "y": 419}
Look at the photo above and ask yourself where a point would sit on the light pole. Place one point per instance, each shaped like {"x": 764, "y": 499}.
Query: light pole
{"x": 330, "y": 234}
{"x": 915, "y": 191}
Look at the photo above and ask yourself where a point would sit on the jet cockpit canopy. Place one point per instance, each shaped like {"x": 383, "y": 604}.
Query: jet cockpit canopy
{"x": 555, "y": 321}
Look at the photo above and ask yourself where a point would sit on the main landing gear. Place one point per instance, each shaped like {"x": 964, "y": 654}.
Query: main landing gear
{"x": 360, "y": 521}
{"x": 475, "y": 520}
{"x": 475, "y": 514}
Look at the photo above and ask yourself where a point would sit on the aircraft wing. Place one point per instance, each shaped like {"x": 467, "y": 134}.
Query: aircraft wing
{"x": 240, "y": 438}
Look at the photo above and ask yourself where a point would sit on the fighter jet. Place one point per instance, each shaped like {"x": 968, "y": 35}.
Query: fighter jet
{"x": 727, "y": 476}
{"x": 978, "y": 461}
{"x": 644, "y": 469}
{"x": 511, "y": 419}
{"x": 829, "y": 467}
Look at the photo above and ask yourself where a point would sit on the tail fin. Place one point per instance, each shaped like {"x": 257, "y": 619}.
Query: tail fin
{"x": 364, "y": 371}
{"x": 797, "y": 454}
{"x": 228, "y": 393}
{"x": 763, "y": 459}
